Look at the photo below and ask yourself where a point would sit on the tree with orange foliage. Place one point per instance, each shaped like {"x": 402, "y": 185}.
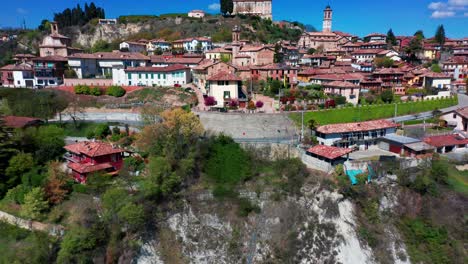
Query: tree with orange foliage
{"x": 55, "y": 188}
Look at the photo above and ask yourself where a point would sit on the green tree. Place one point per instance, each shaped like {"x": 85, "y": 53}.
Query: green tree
{"x": 387, "y": 96}
{"x": 436, "y": 68}
{"x": 391, "y": 39}
{"x": 279, "y": 56}
{"x": 439, "y": 36}
{"x": 7, "y": 150}
{"x": 18, "y": 165}
{"x": 76, "y": 245}
{"x": 34, "y": 204}
{"x": 102, "y": 131}
{"x": 384, "y": 62}
{"x": 419, "y": 35}
{"x": 132, "y": 215}
{"x": 49, "y": 142}
{"x": 226, "y": 6}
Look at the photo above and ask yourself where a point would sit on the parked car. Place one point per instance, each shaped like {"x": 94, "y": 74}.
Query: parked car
{"x": 177, "y": 85}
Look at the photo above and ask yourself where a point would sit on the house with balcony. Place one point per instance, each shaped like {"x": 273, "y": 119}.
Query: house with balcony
{"x": 155, "y": 45}
{"x": 347, "y": 89}
{"x": 390, "y": 77}
{"x": 224, "y": 87}
{"x": 361, "y": 135}
{"x": 275, "y": 71}
{"x": 87, "y": 158}
{"x": 49, "y": 70}
{"x": 192, "y": 45}
{"x": 152, "y": 76}
{"x": 100, "y": 64}
{"x": 19, "y": 75}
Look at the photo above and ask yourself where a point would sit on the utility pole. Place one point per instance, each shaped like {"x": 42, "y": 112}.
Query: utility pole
{"x": 396, "y": 108}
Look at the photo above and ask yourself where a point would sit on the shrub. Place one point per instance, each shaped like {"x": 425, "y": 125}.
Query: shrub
{"x": 234, "y": 103}
{"x": 210, "y": 101}
{"x": 95, "y": 91}
{"x": 82, "y": 89}
{"x": 387, "y": 96}
{"x": 246, "y": 207}
{"x": 70, "y": 73}
{"x": 259, "y": 104}
{"x": 116, "y": 91}
{"x": 102, "y": 131}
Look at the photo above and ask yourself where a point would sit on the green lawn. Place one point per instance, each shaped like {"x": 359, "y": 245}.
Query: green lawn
{"x": 371, "y": 112}
{"x": 80, "y": 131}
{"x": 458, "y": 180}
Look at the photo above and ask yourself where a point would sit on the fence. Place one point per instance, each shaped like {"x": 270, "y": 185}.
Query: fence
{"x": 89, "y": 82}
{"x": 54, "y": 230}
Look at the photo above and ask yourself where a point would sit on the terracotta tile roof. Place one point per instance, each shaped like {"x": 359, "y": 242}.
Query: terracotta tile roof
{"x": 438, "y": 75}
{"x": 170, "y": 68}
{"x": 93, "y": 149}
{"x": 88, "y": 167}
{"x": 356, "y": 127}
{"x": 340, "y": 84}
{"x": 20, "y": 55}
{"x": 50, "y": 58}
{"x": 17, "y": 67}
{"x": 329, "y": 152}
{"x": 445, "y": 140}
{"x": 121, "y": 56}
{"x": 389, "y": 71}
{"x": 224, "y": 76}
{"x": 367, "y": 51}
{"x": 20, "y": 121}
{"x": 194, "y": 60}
{"x": 158, "y": 59}
{"x": 218, "y": 50}
{"x": 251, "y": 48}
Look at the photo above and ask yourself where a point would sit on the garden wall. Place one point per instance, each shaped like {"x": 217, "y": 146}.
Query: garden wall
{"x": 89, "y": 82}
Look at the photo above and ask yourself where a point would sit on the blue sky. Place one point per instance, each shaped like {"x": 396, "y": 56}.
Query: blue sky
{"x": 360, "y": 18}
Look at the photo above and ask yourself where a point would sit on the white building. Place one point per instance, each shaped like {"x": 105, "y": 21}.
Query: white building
{"x": 360, "y": 134}
{"x": 157, "y": 44}
{"x": 107, "y": 21}
{"x": 132, "y": 46}
{"x": 224, "y": 87}
{"x": 100, "y": 64}
{"x": 437, "y": 80}
{"x": 196, "y": 14}
{"x": 261, "y": 8}
{"x": 192, "y": 44}
{"x": 152, "y": 76}
{"x": 17, "y": 75}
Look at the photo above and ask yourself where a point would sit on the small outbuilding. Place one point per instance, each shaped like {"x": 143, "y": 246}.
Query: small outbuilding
{"x": 325, "y": 157}
{"x": 447, "y": 143}
{"x": 395, "y": 143}
{"x": 418, "y": 150}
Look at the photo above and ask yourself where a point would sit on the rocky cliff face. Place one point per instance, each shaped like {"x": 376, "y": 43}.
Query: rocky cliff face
{"x": 317, "y": 227}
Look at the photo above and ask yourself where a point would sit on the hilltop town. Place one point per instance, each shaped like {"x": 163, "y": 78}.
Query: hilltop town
{"x": 231, "y": 138}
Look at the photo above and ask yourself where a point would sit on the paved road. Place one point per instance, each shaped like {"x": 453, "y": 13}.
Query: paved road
{"x": 462, "y": 102}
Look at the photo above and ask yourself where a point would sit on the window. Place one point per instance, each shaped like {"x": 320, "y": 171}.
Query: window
{"x": 454, "y": 115}
{"x": 51, "y": 82}
{"x": 227, "y": 94}
{"x": 129, "y": 76}
{"x": 139, "y": 76}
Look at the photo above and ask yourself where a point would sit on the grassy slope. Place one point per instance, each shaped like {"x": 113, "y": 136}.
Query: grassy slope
{"x": 458, "y": 180}
{"x": 352, "y": 114}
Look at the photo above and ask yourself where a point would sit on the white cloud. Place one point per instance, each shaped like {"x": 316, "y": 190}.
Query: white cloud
{"x": 436, "y": 5}
{"x": 448, "y": 8}
{"x": 442, "y": 14}
{"x": 458, "y": 2}
{"x": 214, "y": 7}
{"x": 21, "y": 11}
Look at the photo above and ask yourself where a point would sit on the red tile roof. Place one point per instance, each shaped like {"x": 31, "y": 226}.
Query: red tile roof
{"x": 170, "y": 68}
{"x": 445, "y": 140}
{"x": 93, "y": 149}
{"x": 17, "y": 67}
{"x": 437, "y": 75}
{"x": 340, "y": 84}
{"x": 193, "y": 60}
{"x": 20, "y": 121}
{"x": 329, "y": 152}
{"x": 88, "y": 167}
{"x": 50, "y": 58}
{"x": 367, "y": 51}
{"x": 224, "y": 76}
{"x": 356, "y": 127}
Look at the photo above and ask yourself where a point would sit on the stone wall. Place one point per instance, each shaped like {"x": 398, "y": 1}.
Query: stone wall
{"x": 54, "y": 230}
{"x": 89, "y": 82}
